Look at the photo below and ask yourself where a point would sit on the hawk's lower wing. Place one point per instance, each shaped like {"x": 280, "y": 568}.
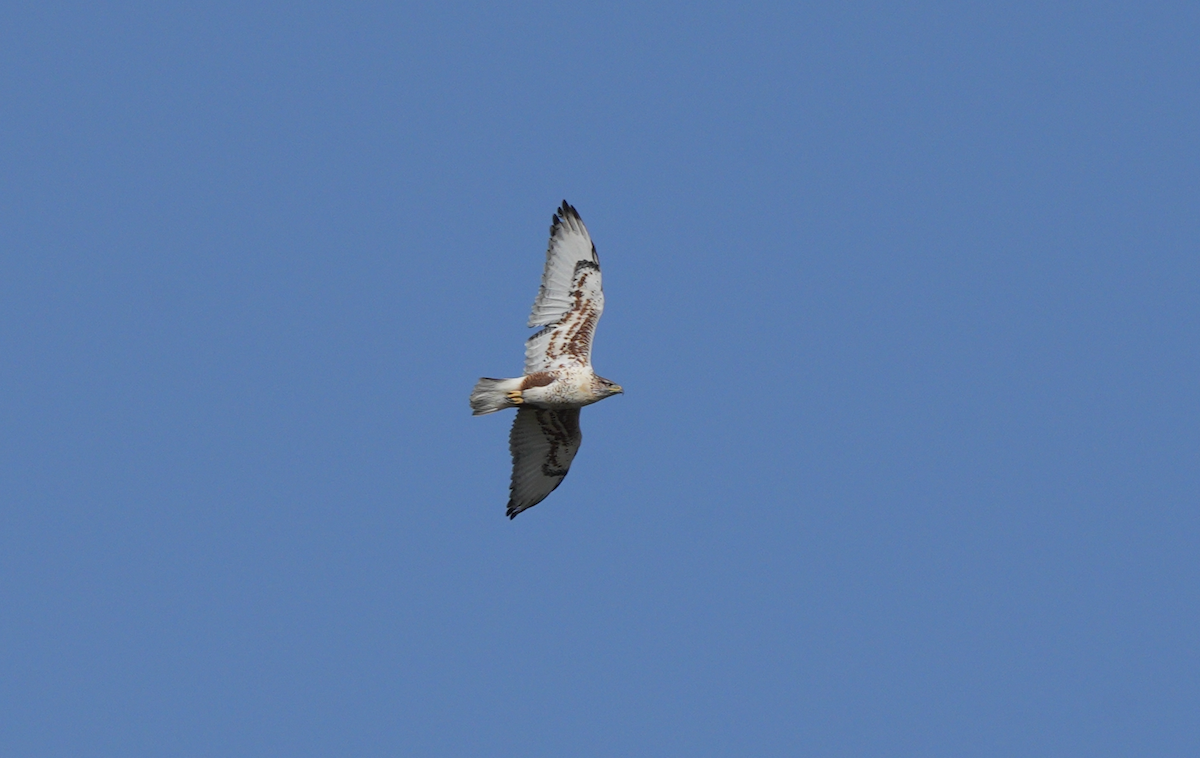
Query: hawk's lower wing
{"x": 543, "y": 444}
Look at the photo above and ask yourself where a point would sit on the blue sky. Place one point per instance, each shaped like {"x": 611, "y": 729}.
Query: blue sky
{"x": 903, "y": 298}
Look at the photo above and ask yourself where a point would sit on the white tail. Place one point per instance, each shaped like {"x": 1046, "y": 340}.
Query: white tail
{"x": 491, "y": 395}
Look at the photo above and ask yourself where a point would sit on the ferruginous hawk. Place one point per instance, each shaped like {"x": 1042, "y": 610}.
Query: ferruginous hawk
{"x": 558, "y": 378}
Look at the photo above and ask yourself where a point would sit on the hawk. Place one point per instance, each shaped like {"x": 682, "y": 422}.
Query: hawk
{"x": 558, "y": 378}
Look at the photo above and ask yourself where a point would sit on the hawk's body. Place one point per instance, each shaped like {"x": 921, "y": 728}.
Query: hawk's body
{"x": 558, "y": 378}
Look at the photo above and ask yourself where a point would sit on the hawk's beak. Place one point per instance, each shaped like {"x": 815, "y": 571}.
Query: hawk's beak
{"x": 618, "y": 389}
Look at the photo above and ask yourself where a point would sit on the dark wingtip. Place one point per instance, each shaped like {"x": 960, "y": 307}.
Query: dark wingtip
{"x": 566, "y": 210}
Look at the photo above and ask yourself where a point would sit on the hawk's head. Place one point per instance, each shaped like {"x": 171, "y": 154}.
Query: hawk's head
{"x": 605, "y": 388}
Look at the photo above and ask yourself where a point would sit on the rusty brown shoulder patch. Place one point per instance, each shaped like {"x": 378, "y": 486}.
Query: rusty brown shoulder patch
{"x": 537, "y": 379}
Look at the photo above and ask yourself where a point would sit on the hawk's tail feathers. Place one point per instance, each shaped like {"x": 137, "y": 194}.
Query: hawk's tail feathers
{"x": 491, "y": 395}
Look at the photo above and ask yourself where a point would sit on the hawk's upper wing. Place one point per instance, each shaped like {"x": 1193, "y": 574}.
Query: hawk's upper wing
{"x": 570, "y": 245}
{"x": 570, "y": 300}
{"x": 543, "y": 444}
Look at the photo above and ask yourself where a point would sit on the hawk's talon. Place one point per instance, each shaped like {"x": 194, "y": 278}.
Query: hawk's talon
{"x": 514, "y": 397}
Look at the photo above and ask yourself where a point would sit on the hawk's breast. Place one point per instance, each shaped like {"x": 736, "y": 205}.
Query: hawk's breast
{"x": 571, "y": 388}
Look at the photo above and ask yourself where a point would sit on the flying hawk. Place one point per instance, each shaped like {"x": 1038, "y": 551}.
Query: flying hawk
{"x": 558, "y": 378}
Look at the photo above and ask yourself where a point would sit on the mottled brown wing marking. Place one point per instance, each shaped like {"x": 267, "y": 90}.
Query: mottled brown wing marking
{"x": 538, "y": 379}
{"x": 553, "y": 353}
{"x": 561, "y": 429}
{"x": 580, "y": 324}
{"x": 579, "y": 339}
